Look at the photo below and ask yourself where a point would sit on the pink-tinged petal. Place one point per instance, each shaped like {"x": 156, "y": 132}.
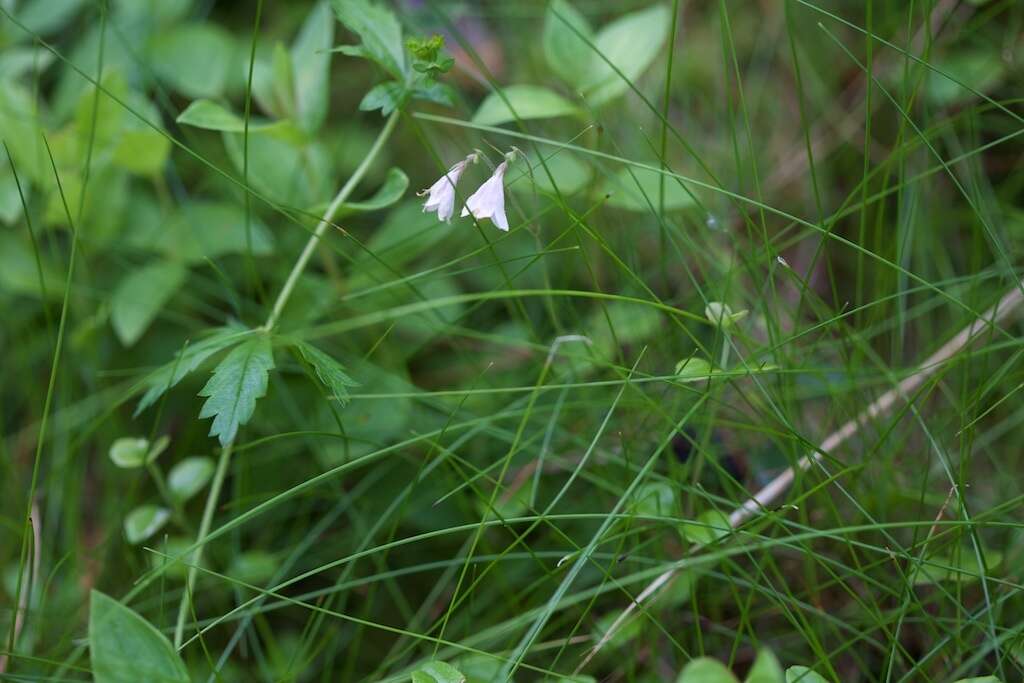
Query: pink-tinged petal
{"x": 499, "y": 218}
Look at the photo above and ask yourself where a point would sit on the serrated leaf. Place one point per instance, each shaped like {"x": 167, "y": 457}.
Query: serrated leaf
{"x": 144, "y": 521}
{"x": 237, "y": 382}
{"x": 567, "y": 53}
{"x": 129, "y": 452}
{"x": 125, "y": 648}
{"x": 393, "y": 189}
{"x": 766, "y": 669}
{"x": 331, "y": 372}
{"x": 705, "y": 670}
{"x": 379, "y": 30}
{"x": 802, "y": 674}
{"x": 385, "y": 96}
{"x": 437, "y": 672}
{"x": 311, "y": 65}
{"x": 630, "y": 43}
{"x": 186, "y": 360}
{"x": 189, "y": 476}
{"x": 527, "y": 102}
{"x": 140, "y": 296}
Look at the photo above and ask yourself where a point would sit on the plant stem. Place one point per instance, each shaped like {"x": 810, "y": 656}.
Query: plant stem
{"x": 321, "y": 228}
{"x": 204, "y": 529}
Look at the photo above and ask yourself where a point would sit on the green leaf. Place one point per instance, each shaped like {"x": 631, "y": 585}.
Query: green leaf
{"x": 707, "y": 528}
{"x": 282, "y": 170}
{"x": 630, "y": 43}
{"x": 640, "y": 189}
{"x": 237, "y": 382}
{"x": 379, "y": 30}
{"x": 569, "y": 175}
{"x": 129, "y": 452}
{"x": 693, "y": 368}
{"x": 140, "y": 296}
{"x": 437, "y": 672}
{"x": 439, "y": 93}
{"x": 209, "y": 115}
{"x": 142, "y": 151}
{"x": 656, "y": 499}
{"x": 253, "y": 566}
{"x": 393, "y": 189}
{"x": 173, "y": 547}
{"x": 979, "y": 679}
{"x": 186, "y": 360}
{"x": 962, "y": 567}
{"x": 311, "y": 64}
{"x": 766, "y": 669}
{"x": 386, "y": 96}
{"x": 125, "y": 648}
{"x": 201, "y": 230}
{"x": 981, "y": 69}
{"x": 527, "y": 102}
{"x": 567, "y": 54}
{"x": 722, "y": 315}
{"x": 705, "y": 670}
{"x": 801, "y": 674}
{"x": 195, "y": 59}
{"x": 331, "y": 372}
{"x": 144, "y": 521}
{"x": 189, "y": 476}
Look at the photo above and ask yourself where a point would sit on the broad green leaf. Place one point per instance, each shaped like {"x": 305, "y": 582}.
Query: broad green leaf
{"x": 19, "y": 273}
{"x": 394, "y": 187}
{"x": 199, "y": 230}
{"x": 693, "y": 368}
{"x": 237, "y": 382}
{"x": 187, "y": 360}
{"x": 630, "y": 43}
{"x": 569, "y": 175}
{"x": 527, "y": 102}
{"x": 978, "y": 679}
{"x": 705, "y": 670}
{"x": 437, "y": 672}
{"x": 189, "y": 476}
{"x": 331, "y": 372}
{"x": 15, "y": 62}
{"x": 981, "y": 69}
{"x": 142, "y": 151}
{"x": 656, "y": 499}
{"x": 801, "y": 674}
{"x": 45, "y": 16}
{"x": 766, "y": 669}
{"x": 140, "y": 296}
{"x": 125, "y": 648}
{"x": 195, "y": 59}
{"x": 253, "y": 566}
{"x": 630, "y": 322}
{"x": 210, "y": 115}
{"x": 311, "y": 65}
{"x": 285, "y": 172}
{"x": 567, "y": 54}
{"x": 479, "y": 668}
{"x": 144, "y": 521}
{"x": 129, "y": 452}
{"x": 385, "y": 96}
{"x": 707, "y": 528}
{"x": 962, "y": 567}
{"x": 175, "y": 546}
{"x": 641, "y": 189}
{"x": 379, "y": 30}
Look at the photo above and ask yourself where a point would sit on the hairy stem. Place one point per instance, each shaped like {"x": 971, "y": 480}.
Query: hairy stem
{"x": 321, "y": 227}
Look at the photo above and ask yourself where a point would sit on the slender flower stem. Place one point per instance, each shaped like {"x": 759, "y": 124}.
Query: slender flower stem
{"x": 321, "y": 228}
{"x": 204, "y": 529}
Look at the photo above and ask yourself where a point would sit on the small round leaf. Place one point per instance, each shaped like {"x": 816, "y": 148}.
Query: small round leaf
{"x": 189, "y": 476}
{"x": 144, "y": 521}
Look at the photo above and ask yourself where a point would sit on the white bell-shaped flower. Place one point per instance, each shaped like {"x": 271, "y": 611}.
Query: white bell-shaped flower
{"x": 442, "y": 193}
{"x": 489, "y": 200}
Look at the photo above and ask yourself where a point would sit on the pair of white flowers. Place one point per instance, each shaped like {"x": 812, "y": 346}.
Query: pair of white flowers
{"x": 487, "y": 202}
